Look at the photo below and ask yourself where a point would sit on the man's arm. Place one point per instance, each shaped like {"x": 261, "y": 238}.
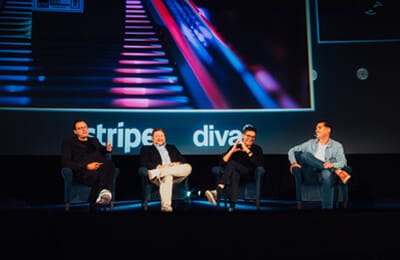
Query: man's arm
{"x": 148, "y": 157}
{"x": 67, "y": 155}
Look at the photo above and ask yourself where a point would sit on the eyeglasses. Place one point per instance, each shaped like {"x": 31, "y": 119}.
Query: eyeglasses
{"x": 251, "y": 136}
{"x": 81, "y": 128}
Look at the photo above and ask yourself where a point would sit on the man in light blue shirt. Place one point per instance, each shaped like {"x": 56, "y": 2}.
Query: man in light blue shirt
{"x": 165, "y": 166}
{"x": 323, "y": 156}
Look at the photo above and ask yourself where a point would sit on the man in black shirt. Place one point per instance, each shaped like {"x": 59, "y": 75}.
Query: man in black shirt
{"x": 86, "y": 156}
{"x": 240, "y": 159}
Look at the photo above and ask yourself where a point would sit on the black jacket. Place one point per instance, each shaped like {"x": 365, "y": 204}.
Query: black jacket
{"x": 150, "y": 157}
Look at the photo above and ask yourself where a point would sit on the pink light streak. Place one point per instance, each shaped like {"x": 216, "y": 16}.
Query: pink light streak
{"x": 138, "y": 27}
{"x": 141, "y": 80}
{"x": 150, "y": 39}
{"x": 135, "y": 16}
{"x": 142, "y": 71}
{"x": 140, "y": 33}
{"x": 137, "y": 21}
{"x": 133, "y": 2}
{"x": 144, "y": 103}
{"x": 144, "y": 54}
{"x": 142, "y": 91}
{"x": 144, "y": 62}
{"x": 150, "y": 46}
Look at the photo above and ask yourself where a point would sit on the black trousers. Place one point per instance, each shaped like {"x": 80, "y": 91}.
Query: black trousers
{"x": 98, "y": 180}
{"x": 231, "y": 176}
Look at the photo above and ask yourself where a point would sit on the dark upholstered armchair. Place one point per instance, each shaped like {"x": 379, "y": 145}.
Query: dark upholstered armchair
{"x": 75, "y": 192}
{"x": 149, "y": 191}
{"x": 311, "y": 191}
{"x": 249, "y": 189}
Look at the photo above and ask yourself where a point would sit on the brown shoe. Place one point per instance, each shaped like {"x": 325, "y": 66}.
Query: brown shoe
{"x": 343, "y": 175}
{"x": 211, "y": 196}
{"x": 166, "y": 209}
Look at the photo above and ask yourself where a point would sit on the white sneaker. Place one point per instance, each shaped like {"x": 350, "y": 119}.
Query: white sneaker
{"x": 104, "y": 197}
{"x": 211, "y": 196}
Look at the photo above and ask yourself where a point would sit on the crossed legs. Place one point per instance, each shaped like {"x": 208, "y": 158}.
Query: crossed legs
{"x": 309, "y": 166}
{"x": 169, "y": 176}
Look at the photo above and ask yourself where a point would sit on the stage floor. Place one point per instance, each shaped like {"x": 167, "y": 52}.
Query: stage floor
{"x": 202, "y": 205}
{"x": 277, "y": 231}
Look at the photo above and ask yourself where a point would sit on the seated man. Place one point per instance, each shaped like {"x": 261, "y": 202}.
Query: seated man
{"x": 323, "y": 156}
{"x": 85, "y": 155}
{"x": 240, "y": 160}
{"x": 165, "y": 165}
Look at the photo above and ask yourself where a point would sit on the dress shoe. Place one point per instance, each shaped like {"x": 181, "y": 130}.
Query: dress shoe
{"x": 343, "y": 175}
{"x": 211, "y": 196}
{"x": 166, "y": 209}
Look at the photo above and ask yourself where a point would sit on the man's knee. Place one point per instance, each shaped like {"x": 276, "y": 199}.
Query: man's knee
{"x": 187, "y": 168}
{"x": 302, "y": 157}
{"x": 298, "y": 155}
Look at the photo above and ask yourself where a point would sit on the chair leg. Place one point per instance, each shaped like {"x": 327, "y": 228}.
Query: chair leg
{"x": 145, "y": 205}
{"x": 67, "y": 206}
{"x": 299, "y": 205}
{"x": 218, "y": 200}
{"x": 112, "y": 206}
{"x": 257, "y": 204}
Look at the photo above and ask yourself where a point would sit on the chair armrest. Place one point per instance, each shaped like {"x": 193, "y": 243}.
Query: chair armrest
{"x": 114, "y": 187}
{"x": 142, "y": 171}
{"x": 146, "y": 185}
{"x": 67, "y": 175}
{"x": 217, "y": 171}
{"x": 259, "y": 172}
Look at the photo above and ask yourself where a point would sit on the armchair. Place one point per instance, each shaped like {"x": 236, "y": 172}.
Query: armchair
{"x": 75, "y": 192}
{"x": 249, "y": 189}
{"x": 310, "y": 190}
{"x": 149, "y": 191}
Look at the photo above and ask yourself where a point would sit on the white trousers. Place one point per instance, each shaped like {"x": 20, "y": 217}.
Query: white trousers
{"x": 167, "y": 178}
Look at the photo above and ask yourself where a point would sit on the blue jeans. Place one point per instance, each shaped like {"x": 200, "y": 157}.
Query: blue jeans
{"x": 312, "y": 170}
